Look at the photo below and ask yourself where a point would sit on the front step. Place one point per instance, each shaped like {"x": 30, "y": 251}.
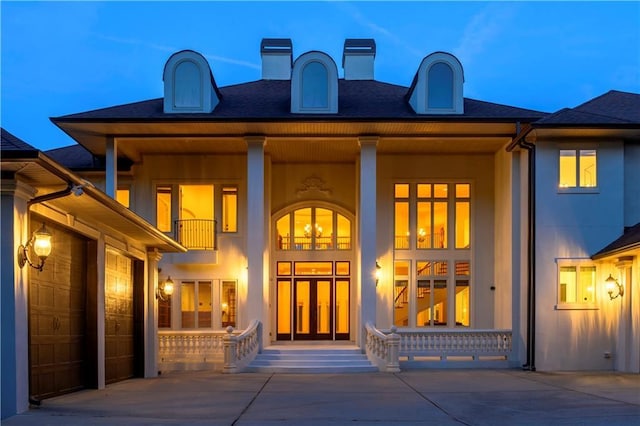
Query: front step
{"x": 310, "y": 360}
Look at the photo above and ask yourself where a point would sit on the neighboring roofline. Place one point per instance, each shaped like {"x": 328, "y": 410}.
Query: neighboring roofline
{"x": 66, "y": 175}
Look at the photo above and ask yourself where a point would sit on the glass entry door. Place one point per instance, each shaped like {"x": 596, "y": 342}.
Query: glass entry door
{"x": 313, "y": 309}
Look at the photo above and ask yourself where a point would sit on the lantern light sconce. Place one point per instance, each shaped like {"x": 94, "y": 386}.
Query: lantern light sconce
{"x": 611, "y": 285}
{"x": 378, "y": 273}
{"x": 165, "y": 290}
{"x": 41, "y": 244}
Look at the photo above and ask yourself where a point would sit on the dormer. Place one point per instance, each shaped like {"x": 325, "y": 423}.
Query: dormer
{"x": 314, "y": 84}
{"x": 189, "y": 86}
{"x": 437, "y": 86}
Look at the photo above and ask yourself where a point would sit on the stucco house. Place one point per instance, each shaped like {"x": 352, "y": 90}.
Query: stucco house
{"x": 236, "y": 227}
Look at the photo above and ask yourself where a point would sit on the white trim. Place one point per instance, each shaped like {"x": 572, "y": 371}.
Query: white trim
{"x": 419, "y": 95}
{"x": 297, "y": 82}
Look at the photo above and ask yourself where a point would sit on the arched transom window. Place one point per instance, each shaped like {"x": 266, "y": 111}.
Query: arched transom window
{"x": 313, "y": 228}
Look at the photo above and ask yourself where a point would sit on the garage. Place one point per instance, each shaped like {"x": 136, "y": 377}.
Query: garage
{"x": 58, "y": 317}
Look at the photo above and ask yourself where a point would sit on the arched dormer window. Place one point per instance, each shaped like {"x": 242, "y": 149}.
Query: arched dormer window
{"x": 189, "y": 86}
{"x": 437, "y": 86}
{"x": 314, "y": 84}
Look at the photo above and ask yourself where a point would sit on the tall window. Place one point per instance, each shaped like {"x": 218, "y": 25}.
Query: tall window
{"x": 440, "y": 84}
{"x": 163, "y": 208}
{"x": 229, "y": 209}
{"x": 576, "y": 284}
{"x": 578, "y": 168}
{"x": 313, "y": 228}
{"x": 315, "y": 92}
{"x": 228, "y": 303}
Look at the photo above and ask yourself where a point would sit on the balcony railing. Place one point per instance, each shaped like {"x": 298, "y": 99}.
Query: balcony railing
{"x": 196, "y": 234}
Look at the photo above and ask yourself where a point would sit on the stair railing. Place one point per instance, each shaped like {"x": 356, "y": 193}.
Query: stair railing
{"x": 383, "y": 349}
{"x": 241, "y": 349}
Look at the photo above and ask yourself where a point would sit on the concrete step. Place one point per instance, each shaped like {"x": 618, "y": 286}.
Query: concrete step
{"x": 311, "y": 360}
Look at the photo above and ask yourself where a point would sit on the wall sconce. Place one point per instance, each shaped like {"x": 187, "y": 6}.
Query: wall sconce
{"x": 378, "y": 273}
{"x": 611, "y": 284}
{"x": 165, "y": 290}
{"x": 41, "y": 243}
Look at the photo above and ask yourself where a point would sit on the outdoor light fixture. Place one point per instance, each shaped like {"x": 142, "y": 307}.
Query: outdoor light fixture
{"x": 165, "y": 290}
{"x": 378, "y": 272}
{"x": 41, "y": 244}
{"x": 611, "y": 284}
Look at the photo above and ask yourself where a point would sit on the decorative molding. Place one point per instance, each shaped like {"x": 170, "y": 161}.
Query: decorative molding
{"x": 313, "y": 185}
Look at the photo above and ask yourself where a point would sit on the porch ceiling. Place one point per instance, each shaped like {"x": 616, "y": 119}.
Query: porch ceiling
{"x": 292, "y": 141}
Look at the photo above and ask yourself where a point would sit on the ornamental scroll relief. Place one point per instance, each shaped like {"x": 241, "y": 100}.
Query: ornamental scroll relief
{"x": 313, "y": 186}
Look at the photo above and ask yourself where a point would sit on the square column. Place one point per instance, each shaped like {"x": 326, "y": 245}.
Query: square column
{"x": 255, "y": 230}
{"x": 367, "y": 232}
{"x": 151, "y": 315}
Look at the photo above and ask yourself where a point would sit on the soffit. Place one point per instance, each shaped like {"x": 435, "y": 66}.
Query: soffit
{"x": 576, "y": 132}
{"x": 292, "y": 141}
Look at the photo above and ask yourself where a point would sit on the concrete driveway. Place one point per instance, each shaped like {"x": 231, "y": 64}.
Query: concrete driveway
{"x": 431, "y": 397}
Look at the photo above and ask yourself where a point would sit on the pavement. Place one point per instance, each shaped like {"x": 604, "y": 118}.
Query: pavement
{"x": 425, "y": 397}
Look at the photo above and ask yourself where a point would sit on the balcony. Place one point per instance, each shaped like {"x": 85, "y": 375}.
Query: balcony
{"x": 200, "y": 237}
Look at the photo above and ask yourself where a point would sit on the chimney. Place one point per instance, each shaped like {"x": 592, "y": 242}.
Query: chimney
{"x": 357, "y": 58}
{"x": 277, "y": 55}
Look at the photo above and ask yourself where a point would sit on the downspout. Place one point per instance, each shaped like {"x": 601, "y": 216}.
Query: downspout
{"x": 530, "y": 365}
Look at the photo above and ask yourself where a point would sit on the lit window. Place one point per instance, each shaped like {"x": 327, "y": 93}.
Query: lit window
{"x": 313, "y": 228}
{"x": 228, "y": 303}
{"x": 163, "y": 208}
{"x": 576, "y": 284}
{"x": 196, "y": 306}
{"x": 401, "y": 293}
{"x": 122, "y": 196}
{"x": 578, "y": 168}
{"x": 229, "y": 209}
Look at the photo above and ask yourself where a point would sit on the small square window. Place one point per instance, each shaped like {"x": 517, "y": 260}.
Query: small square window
{"x": 576, "y": 286}
{"x": 577, "y": 169}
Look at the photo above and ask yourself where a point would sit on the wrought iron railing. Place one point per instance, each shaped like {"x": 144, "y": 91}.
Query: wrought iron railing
{"x": 196, "y": 234}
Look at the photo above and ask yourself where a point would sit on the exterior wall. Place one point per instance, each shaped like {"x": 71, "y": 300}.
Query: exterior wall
{"x": 631, "y": 190}
{"x": 574, "y": 226}
{"x": 476, "y": 169}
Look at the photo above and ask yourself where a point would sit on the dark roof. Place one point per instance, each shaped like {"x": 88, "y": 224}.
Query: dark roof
{"x": 75, "y": 157}
{"x": 630, "y": 239}
{"x": 10, "y": 142}
{"x": 271, "y": 100}
{"x": 612, "y": 108}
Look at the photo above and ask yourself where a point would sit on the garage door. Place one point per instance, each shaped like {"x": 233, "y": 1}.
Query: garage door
{"x": 57, "y": 317}
{"x": 119, "y": 318}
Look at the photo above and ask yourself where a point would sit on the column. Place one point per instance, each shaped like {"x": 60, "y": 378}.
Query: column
{"x": 367, "y": 232}
{"x": 111, "y": 175}
{"x": 151, "y": 315}
{"x": 14, "y": 333}
{"x": 625, "y": 342}
{"x": 255, "y": 230}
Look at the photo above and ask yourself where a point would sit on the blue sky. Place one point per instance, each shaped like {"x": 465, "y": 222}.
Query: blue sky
{"x": 69, "y": 57}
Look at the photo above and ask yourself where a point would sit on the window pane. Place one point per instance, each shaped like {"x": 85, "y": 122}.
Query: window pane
{"x": 229, "y": 209}
{"x": 284, "y": 268}
{"x": 122, "y": 196}
{"x": 423, "y": 235}
{"x": 342, "y": 268}
{"x": 204, "y": 305}
{"x": 282, "y": 230}
{"x": 462, "y": 190}
{"x": 423, "y": 302}
{"x": 568, "y": 284}
{"x": 163, "y": 208}
{"x": 313, "y": 268}
{"x": 303, "y": 300}
{"x": 302, "y": 229}
{"x": 344, "y": 233}
{"x": 440, "y": 302}
{"x": 401, "y": 225}
{"x": 588, "y": 175}
{"x": 440, "y": 83}
{"x": 567, "y": 168}
{"x": 440, "y": 225}
{"x": 401, "y": 190}
{"x": 586, "y": 289}
{"x": 195, "y": 229}
{"x": 315, "y": 92}
{"x": 462, "y": 303}
{"x": 342, "y": 306}
{"x": 462, "y": 224}
{"x": 324, "y": 229}
{"x": 323, "y": 303}
{"x": 188, "y": 302}
{"x": 284, "y": 307}
{"x": 229, "y": 303}
{"x": 424, "y": 190}
{"x": 164, "y": 312}
{"x": 401, "y": 293}
{"x": 441, "y": 190}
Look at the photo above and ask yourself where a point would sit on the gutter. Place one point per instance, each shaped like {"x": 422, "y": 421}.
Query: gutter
{"x": 520, "y": 140}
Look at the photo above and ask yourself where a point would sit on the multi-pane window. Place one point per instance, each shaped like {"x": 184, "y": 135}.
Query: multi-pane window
{"x": 577, "y": 284}
{"x": 196, "y": 304}
{"x": 313, "y": 228}
{"x": 200, "y": 304}
{"x": 424, "y": 213}
{"x": 578, "y": 168}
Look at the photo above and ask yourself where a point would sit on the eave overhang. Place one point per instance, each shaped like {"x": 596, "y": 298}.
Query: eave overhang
{"x": 93, "y": 206}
